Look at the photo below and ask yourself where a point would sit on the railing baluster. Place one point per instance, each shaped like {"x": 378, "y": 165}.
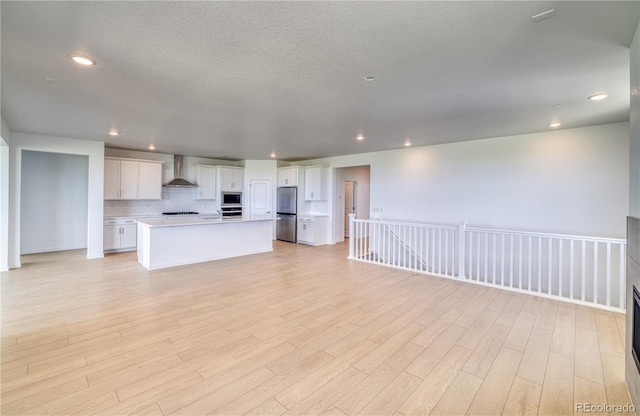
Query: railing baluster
{"x": 510, "y": 260}
{"x": 571, "y": 259}
{"x": 560, "y": 264}
{"x": 595, "y": 272}
{"x": 530, "y": 257}
{"x": 478, "y": 257}
{"x": 355, "y": 239}
{"x": 470, "y": 251}
{"x": 502, "y": 260}
{"x": 539, "y": 264}
{"x": 486, "y": 257}
{"x": 404, "y": 252}
{"x": 433, "y": 248}
{"x": 440, "y": 250}
{"x": 608, "y": 274}
{"x": 386, "y": 249}
{"x": 446, "y": 252}
{"x": 549, "y": 260}
{"x": 414, "y": 244}
{"x": 621, "y": 274}
{"x": 359, "y": 239}
{"x": 583, "y": 268}
{"x": 427, "y": 246}
{"x": 376, "y": 248}
{"x": 422, "y": 246}
{"x": 519, "y": 262}
{"x": 495, "y": 256}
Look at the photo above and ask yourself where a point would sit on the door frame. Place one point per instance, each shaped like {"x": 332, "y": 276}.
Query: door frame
{"x": 354, "y": 208}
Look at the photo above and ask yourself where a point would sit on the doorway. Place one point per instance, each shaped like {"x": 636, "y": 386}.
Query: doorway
{"x": 350, "y": 203}
{"x": 53, "y": 209}
{"x": 351, "y": 195}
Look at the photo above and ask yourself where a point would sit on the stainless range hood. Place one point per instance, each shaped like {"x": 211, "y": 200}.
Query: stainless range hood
{"x": 178, "y": 181}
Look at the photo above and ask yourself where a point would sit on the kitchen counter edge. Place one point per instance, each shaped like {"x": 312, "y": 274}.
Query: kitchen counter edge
{"x": 178, "y": 222}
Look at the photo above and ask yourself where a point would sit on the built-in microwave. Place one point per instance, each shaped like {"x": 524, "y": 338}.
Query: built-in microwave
{"x": 233, "y": 199}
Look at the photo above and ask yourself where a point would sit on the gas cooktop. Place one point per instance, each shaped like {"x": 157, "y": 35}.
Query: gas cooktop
{"x": 180, "y": 213}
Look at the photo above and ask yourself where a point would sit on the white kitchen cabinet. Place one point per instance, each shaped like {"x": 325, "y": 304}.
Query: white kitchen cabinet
{"x": 132, "y": 179}
{"x": 312, "y": 229}
{"x": 315, "y": 183}
{"x": 206, "y": 181}
{"x": 289, "y": 176}
{"x": 149, "y": 180}
{"x": 120, "y": 234}
{"x": 120, "y": 179}
{"x": 231, "y": 179}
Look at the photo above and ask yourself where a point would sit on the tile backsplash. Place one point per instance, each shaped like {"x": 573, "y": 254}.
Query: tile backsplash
{"x": 173, "y": 199}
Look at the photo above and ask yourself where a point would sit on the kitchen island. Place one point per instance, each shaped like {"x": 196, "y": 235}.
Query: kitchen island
{"x": 178, "y": 241}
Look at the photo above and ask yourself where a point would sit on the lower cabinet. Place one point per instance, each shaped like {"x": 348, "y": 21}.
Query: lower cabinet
{"x": 120, "y": 235}
{"x": 305, "y": 231}
{"x": 312, "y": 229}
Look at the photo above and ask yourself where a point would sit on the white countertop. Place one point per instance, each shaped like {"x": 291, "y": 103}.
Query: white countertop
{"x": 143, "y": 216}
{"x": 195, "y": 220}
{"x": 313, "y": 215}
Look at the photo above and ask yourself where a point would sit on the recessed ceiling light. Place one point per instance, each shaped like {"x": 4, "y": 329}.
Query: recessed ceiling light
{"x": 543, "y": 15}
{"x": 113, "y": 133}
{"x": 360, "y": 137}
{"x": 554, "y": 124}
{"x": 82, "y": 60}
{"x": 151, "y": 147}
{"x": 369, "y": 78}
{"x": 273, "y": 154}
{"x": 407, "y": 143}
{"x": 50, "y": 80}
{"x": 598, "y": 97}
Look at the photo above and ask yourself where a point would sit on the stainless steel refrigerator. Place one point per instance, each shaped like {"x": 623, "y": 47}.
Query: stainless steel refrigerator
{"x": 287, "y": 224}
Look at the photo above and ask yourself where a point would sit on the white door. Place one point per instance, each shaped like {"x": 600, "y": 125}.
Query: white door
{"x": 349, "y": 203}
{"x": 260, "y": 197}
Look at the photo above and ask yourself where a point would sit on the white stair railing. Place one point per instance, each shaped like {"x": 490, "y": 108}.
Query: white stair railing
{"x": 422, "y": 247}
{"x": 583, "y": 270}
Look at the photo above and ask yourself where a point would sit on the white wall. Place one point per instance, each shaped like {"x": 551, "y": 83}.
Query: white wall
{"x": 4, "y": 195}
{"x": 53, "y": 209}
{"x": 634, "y": 173}
{"x": 34, "y": 142}
{"x": 573, "y": 181}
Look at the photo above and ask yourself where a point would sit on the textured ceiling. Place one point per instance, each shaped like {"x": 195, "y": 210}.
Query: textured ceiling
{"x": 242, "y": 79}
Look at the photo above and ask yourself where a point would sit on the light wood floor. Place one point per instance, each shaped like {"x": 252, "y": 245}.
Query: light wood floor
{"x": 298, "y": 331}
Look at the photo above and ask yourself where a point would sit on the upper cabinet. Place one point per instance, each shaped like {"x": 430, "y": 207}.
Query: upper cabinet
{"x": 206, "y": 181}
{"x": 150, "y": 180}
{"x": 315, "y": 183}
{"x": 132, "y": 179}
{"x": 231, "y": 179}
{"x": 289, "y": 176}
